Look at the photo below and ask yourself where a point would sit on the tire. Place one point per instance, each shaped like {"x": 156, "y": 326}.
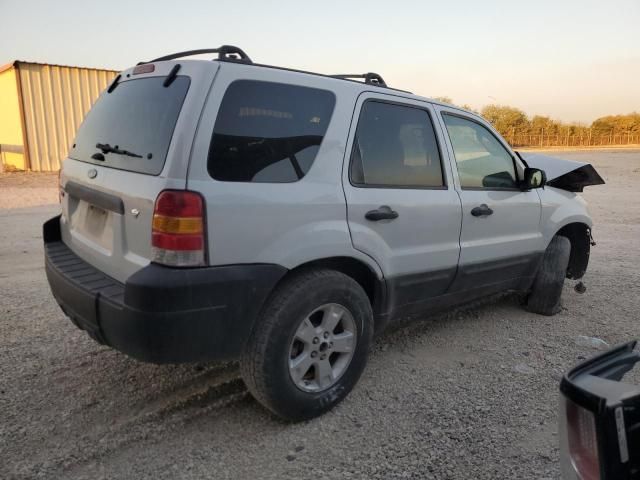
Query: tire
{"x": 547, "y": 287}
{"x": 309, "y": 297}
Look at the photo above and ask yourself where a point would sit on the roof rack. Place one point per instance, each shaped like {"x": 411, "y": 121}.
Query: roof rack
{"x": 230, "y": 53}
{"x": 226, "y": 53}
{"x": 369, "y": 78}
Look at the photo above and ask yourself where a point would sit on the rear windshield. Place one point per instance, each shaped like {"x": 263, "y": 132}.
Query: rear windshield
{"x": 138, "y": 117}
{"x": 268, "y": 132}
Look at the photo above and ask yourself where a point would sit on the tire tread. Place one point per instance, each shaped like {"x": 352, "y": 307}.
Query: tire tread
{"x": 546, "y": 292}
{"x": 253, "y": 363}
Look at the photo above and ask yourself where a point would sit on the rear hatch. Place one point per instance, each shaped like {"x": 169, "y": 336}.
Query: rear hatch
{"x": 134, "y": 143}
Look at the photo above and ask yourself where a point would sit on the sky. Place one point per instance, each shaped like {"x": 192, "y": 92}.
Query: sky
{"x": 573, "y": 60}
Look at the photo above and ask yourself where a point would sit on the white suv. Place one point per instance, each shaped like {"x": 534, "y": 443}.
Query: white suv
{"x": 229, "y": 210}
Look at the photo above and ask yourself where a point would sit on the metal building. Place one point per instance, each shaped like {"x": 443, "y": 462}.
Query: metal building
{"x": 41, "y": 107}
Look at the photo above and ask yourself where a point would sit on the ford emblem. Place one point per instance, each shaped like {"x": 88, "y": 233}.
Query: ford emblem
{"x": 93, "y": 173}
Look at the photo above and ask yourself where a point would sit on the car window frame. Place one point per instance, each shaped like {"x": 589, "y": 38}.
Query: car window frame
{"x": 289, "y": 84}
{"x": 424, "y": 108}
{"x": 498, "y": 139}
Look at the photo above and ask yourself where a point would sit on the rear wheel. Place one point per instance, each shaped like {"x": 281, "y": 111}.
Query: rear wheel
{"x": 547, "y": 287}
{"x": 310, "y": 345}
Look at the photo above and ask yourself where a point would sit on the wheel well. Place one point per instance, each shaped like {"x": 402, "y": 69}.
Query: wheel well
{"x": 579, "y": 235}
{"x": 356, "y": 269}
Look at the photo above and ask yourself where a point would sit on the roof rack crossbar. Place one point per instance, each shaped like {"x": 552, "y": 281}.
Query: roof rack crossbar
{"x": 226, "y": 53}
{"x": 369, "y": 78}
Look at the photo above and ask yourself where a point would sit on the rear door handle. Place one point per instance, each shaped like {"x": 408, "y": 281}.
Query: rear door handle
{"x": 481, "y": 211}
{"x": 383, "y": 212}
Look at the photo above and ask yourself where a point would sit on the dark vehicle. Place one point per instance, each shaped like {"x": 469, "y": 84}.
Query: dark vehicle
{"x": 600, "y": 418}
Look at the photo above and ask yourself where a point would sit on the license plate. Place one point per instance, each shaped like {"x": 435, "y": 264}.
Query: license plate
{"x": 93, "y": 223}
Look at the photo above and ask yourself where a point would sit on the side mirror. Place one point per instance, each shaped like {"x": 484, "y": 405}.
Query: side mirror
{"x": 534, "y": 178}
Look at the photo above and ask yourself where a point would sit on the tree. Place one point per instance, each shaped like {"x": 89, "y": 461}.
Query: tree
{"x": 617, "y": 124}
{"x": 506, "y": 119}
{"x": 541, "y": 124}
{"x": 515, "y": 126}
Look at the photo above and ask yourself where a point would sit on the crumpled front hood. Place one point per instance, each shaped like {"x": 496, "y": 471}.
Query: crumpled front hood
{"x": 565, "y": 174}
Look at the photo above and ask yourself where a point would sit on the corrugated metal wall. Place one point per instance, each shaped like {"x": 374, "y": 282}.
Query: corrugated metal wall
{"x": 11, "y": 141}
{"x": 55, "y": 100}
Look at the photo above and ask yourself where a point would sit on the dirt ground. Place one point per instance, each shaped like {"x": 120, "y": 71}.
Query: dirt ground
{"x": 28, "y": 189}
{"x": 468, "y": 394}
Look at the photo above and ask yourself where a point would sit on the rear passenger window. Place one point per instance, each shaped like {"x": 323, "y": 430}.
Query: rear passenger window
{"x": 395, "y": 146}
{"x": 268, "y": 132}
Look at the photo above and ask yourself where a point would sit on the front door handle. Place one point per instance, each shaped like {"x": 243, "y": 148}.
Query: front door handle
{"x": 383, "y": 212}
{"x": 481, "y": 211}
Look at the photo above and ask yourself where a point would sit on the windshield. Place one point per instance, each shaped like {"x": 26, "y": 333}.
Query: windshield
{"x": 135, "y": 121}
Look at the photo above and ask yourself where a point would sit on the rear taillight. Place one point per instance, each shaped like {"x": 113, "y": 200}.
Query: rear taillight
{"x": 178, "y": 233}
{"x": 582, "y": 441}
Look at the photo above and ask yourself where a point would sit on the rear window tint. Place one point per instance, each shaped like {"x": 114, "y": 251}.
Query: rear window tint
{"x": 138, "y": 116}
{"x": 268, "y": 132}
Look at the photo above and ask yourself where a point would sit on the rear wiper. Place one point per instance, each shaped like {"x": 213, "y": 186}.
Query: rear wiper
{"x": 106, "y": 148}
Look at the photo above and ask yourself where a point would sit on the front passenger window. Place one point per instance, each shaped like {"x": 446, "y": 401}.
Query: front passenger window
{"x": 481, "y": 159}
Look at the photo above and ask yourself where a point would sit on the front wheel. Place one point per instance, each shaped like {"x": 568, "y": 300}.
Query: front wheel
{"x": 547, "y": 286}
{"x": 310, "y": 344}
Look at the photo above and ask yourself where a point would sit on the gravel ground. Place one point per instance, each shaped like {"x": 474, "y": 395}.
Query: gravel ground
{"x": 469, "y": 394}
{"x": 22, "y": 189}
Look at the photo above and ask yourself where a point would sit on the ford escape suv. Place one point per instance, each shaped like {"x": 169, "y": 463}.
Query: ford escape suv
{"x": 230, "y": 210}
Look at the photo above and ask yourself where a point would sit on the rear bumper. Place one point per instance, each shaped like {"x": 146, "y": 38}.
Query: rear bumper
{"x": 160, "y": 314}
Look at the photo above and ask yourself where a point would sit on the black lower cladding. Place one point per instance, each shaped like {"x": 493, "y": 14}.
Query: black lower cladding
{"x": 437, "y": 290}
{"x": 497, "y": 272}
{"x": 160, "y": 314}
